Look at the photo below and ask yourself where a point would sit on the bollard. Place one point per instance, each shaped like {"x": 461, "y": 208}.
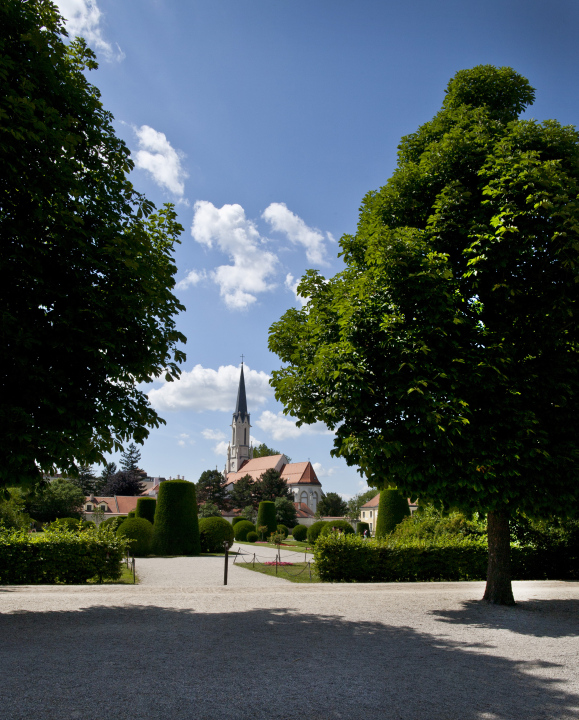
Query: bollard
{"x": 226, "y": 546}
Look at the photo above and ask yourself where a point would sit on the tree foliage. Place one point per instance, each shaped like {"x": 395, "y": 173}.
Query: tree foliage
{"x": 285, "y": 511}
{"x": 262, "y": 450}
{"x": 211, "y": 489}
{"x": 130, "y": 459}
{"x": 355, "y": 503}
{"x": 445, "y": 354}
{"x": 57, "y": 499}
{"x": 332, "y": 505}
{"x": 392, "y": 509}
{"x": 86, "y": 310}
{"x": 242, "y": 493}
{"x": 123, "y": 483}
{"x": 270, "y": 486}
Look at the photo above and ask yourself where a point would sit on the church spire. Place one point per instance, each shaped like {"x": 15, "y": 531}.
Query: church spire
{"x": 241, "y": 407}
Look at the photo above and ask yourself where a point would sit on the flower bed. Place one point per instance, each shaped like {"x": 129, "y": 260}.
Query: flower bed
{"x": 273, "y": 562}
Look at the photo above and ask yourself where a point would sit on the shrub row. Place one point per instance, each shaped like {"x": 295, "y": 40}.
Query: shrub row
{"x": 350, "y": 558}
{"x": 59, "y": 556}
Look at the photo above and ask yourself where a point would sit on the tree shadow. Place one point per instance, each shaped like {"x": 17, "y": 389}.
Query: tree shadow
{"x": 539, "y": 618}
{"x": 151, "y": 662}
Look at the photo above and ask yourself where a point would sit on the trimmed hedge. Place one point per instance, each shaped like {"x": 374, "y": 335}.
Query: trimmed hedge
{"x": 350, "y": 558}
{"x": 114, "y": 522}
{"x": 302, "y": 533}
{"x": 314, "y": 530}
{"x": 237, "y": 519}
{"x": 176, "y": 528}
{"x": 132, "y": 514}
{"x": 139, "y": 533}
{"x": 392, "y": 509}
{"x": 252, "y": 537}
{"x": 241, "y": 529}
{"x": 266, "y": 516}
{"x": 342, "y": 525}
{"x": 146, "y": 509}
{"x": 59, "y": 556}
{"x": 361, "y": 527}
{"x": 213, "y": 532}
{"x": 283, "y": 530}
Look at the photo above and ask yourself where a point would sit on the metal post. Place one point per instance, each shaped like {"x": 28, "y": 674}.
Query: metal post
{"x": 226, "y": 546}
{"x": 134, "y": 574}
{"x": 253, "y": 559}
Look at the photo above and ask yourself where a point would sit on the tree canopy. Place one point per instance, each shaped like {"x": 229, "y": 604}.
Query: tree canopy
{"x": 332, "y": 505}
{"x": 262, "y": 450}
{"x": 270, "y": 486}
{"x": 123, "y": 483}
{"x": 445, "y": 354}
{"x": 87, "y": 312}
{"x": 210, "y": 489}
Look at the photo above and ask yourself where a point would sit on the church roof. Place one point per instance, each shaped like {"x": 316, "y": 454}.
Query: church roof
{"x": 300, "y": 473}
{"x": 303, "y": 511}
{"x": 241, "y": 406}
{"x": 257, "y": 466}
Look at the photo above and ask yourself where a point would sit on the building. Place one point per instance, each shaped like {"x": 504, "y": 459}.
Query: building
{"x": 300, "y": 477}
{"x": 111, "y": 506}
{"x": 369, "y": 512}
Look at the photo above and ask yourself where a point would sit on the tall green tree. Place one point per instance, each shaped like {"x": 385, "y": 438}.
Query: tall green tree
{"x": 210, "y": 489}
{"x": 285, "y": 511}
{"x": 242, "y": 493}
{"x": 271, "y": 486}
{"x": 445, "y": 355}
{"x": 130, "y": 459}
{"x": 123, "y": 483}
{"x": 331, "y": 504}
{"x": 86, "y": 303}
{"x": 86, "y": 480}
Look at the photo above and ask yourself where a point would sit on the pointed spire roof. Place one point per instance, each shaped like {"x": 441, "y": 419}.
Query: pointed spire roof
{"x": 241, "y": 407}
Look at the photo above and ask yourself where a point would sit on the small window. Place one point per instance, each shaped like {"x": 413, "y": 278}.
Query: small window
{"x": 364, "y": 514}
{"x": 89, "y": 507}
{"x": 370, "y": 513}
{"x": 104, "y": 508}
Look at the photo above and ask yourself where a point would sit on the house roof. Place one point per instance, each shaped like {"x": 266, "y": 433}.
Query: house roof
{"x": 118, "y": 504}
{"x": 303, "y": 511}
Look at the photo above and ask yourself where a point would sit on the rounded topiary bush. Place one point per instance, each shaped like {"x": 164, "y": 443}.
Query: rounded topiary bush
{"x": 314, "y": 530}
{"x": 392, "y": 509}
{"x": 241, "y": 529}
{"x": 283, "y": 530}
{"x": 266, "y": 517}
{"x": 176, "y": 528}
{"x": 132, "y": 514}
{"x": 214, "y": 531}
{"x": 238, "y": 519}
{"x": 146, "y": 509}
{"x": 300, "y": 533}
{"x": 114, "y": 522}
{"x": 252, "y": 537}
{"x": 338, "y": 525}
{"x": 139, "y": 532}
{"x": 362, "y": 527}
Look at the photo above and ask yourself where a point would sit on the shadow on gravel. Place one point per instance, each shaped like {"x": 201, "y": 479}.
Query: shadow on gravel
{"x": 154, "y": 662}
{"x": 540, "y": 618}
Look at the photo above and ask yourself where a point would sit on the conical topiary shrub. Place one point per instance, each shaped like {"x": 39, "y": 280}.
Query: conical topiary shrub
{"x": 266, "y": 517}
{"x": 146, "y": 507}
{"x": 176, "y": 528}
{"x": 392, "y": 509}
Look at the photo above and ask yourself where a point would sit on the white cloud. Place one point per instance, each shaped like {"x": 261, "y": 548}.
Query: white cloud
{"x": 83, "y": 18}
{"x": 159, "y": 157}
{"x": 284, "y": 220}
{"x": 212, "y": 434}
{"x": 185, "y": 439}
{"x": 281, "y": 427}
{"x": 292, "y": 284}
{"x": 203, "y": 389}
{"x": 322, "y": 471}
{"x": 192, "y": 278}
{"x": 221, "y": 448}
{"x": 236, "y": 236}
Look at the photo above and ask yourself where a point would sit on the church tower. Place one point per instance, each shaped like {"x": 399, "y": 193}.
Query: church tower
{"x": 240, "y": 448}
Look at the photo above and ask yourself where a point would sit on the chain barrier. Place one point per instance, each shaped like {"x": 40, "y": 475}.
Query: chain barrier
{"x": 240, "y": 559}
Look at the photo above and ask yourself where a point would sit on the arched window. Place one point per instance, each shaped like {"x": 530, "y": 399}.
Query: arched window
{"x": 245, "y": 436}
{"x": 304, "y": 497}
{"x": 314, "y": 501}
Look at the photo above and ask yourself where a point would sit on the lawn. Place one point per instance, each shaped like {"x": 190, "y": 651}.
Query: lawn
{"x": 290, "y": 545}
{"x": 298, "y": 572}
{"x": 125, "y": 579}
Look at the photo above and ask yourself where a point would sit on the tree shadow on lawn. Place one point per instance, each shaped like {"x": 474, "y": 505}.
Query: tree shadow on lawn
{"x": 539, "y": 618}
{"x": 156, "y": 662}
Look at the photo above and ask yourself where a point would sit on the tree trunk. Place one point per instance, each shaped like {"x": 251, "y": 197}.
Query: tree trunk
{"x": 499, "y": 590}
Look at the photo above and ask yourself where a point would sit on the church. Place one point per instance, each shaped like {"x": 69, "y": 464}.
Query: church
{"x": 300, "y": 477}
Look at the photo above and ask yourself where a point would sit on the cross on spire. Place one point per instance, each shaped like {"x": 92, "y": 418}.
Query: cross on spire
{"x": 242, "y": 356}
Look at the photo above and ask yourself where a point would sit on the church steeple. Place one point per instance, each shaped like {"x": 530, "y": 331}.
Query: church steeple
{"x": 239, "y": 450}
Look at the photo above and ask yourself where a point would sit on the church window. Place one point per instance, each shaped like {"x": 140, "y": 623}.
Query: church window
{"x": 245, "y": 436}
{"x": 304, "y": 498}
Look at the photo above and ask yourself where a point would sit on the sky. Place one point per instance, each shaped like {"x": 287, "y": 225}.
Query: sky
{"x": 266, "y": 122}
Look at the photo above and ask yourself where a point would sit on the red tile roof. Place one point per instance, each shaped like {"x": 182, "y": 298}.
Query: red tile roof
{"x": 300, "y": 473}
{"x": 117, "y": 505}
{"x": 256, "y": 467}
{"x": 303, "y": 511}
{"x": 376, "y": 499}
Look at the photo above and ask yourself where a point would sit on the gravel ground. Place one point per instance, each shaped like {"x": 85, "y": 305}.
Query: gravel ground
{"x": 424, "y": 651}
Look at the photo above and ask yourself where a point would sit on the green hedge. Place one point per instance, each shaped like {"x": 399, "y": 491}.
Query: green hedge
{"x": 266, "y": 517}
{"x": 241, "y": 529}
{"x": 252, "y": 537}
{"x": 350, "y": 558}
{"x": 283, "y": 530}
{"x": 362, "y": 527}
{"x": 214, "y": 531}
{"x": 146, "y": 509}
{"x": 337, "y": 525}
{"x": 392, "y": 509}
{"x": 114, "y": 522}
{"x": 139, "y": 533}
{"x": 59, "y": 556}
{"x": 176, "y": 528}
{"x": 314, "y": 530}
{"x": 300, "y": 533}
{"x": 240, "y": 518}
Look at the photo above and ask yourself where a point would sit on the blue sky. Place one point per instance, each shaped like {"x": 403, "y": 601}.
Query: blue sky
{"x": 266, "y": 122}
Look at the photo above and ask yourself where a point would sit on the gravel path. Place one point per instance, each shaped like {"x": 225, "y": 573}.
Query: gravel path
{"x": 424, "y": 651}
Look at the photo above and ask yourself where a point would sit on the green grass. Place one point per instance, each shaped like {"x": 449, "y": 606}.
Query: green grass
{"x": 125, "y": 579}
{"x": 291, "y": 547}
{"x": 290, "y": 575}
